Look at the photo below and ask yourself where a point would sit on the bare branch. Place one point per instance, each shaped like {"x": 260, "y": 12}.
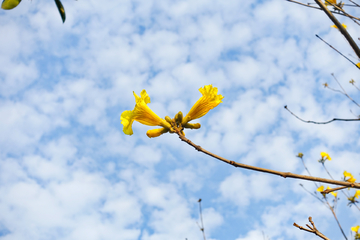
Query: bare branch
{"x": 312, "y": 229}
{"x": 307, "y": 5}
{"x": 337, "y": 51}
{"x": 344, "y": 92}
{"x": 202, "y": 229}
{"x": 355, "y": 3}
{"x": 334, "y": 119}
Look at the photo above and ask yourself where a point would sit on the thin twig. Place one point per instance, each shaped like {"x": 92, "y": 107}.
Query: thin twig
{"x": 355, "y": 3}
{"x": 344, "y": 92}
{"x": 312, "y": 194}
{"x": 201, "y": 218}
{"x": 340, "y": 27}
{"x": 306, "y": 5}
{"x": 302, "y": 160}
{"x": 327, "y": 171}
{"x": 334, "y": 119}
{"x": 333, "y": 212}
{"x": 335, "y": 6}
{"x": 352, "y": 82}
{"x": 337, "y": 51}
{"x": 312, "y": 229}
{"x": 258, "y": 169}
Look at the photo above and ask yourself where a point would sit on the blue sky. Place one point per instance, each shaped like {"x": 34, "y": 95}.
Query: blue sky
{"x": 67, "y": 171}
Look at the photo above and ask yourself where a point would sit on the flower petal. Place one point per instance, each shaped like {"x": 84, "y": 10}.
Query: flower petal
{"x": 210, "y": 99}
{"x": 320, "y": 189}
{"x": 355, "y": 229}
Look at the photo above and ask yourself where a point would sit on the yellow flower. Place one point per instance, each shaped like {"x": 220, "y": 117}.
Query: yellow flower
{"x": 356, "y": 230}
{"x": 357, "y": 193}
{"x": 358, "y": 65}
{"x": 300, "y": 155}
{"x": 350, "y": 177}
{"x": 143, "y": 114}
{"x": 320, "y": 189}
{"x": 334, "y": 26}
{"x": 208, "y": 101}
{"x": 330, "y": 2}
{"x": 325, "y": 156}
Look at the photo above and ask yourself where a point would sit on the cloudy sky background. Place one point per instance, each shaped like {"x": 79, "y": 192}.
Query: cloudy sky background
{"x": 67, "y": 171}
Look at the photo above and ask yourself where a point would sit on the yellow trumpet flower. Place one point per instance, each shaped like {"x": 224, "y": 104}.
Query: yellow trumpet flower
{"x": 210, "y": 99}
{"x": 143, "y": 114}
{"x": 350, "y": 177}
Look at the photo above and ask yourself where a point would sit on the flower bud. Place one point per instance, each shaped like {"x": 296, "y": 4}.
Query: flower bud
{"x": 192, "y": 125}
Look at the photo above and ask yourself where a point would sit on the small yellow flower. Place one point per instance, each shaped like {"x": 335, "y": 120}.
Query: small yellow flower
{"x": 358, "y": 65}
{"x": 356, "y": 230}
{"x": 357, "y": 194}
{"x": 350, "y": 177}
{"x": 300, "y": 155}
{"x": 330, "y": 2}
{"x": 143, "y": 114}
{"x": 325, "y": 156}
{"x": 334, "y": 26}
{"x": 320, "y": 189}
{"x": 210, "y": 99}
{"x": 325, "y": 85}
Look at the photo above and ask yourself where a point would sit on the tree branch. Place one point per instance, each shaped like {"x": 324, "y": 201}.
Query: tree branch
{"x": 312, "y": 229}
{"x": 340, "y": 27}
{"x": 334, "y": 119}
{"x": 265, "y": 170}
{"x": 306, "y": 5}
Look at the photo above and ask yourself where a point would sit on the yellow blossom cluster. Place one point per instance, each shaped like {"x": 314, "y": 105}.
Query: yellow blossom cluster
{"x": 143, "y": 114}
{"x": 321, "y": 189}
{"x": 324, "y": 156}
